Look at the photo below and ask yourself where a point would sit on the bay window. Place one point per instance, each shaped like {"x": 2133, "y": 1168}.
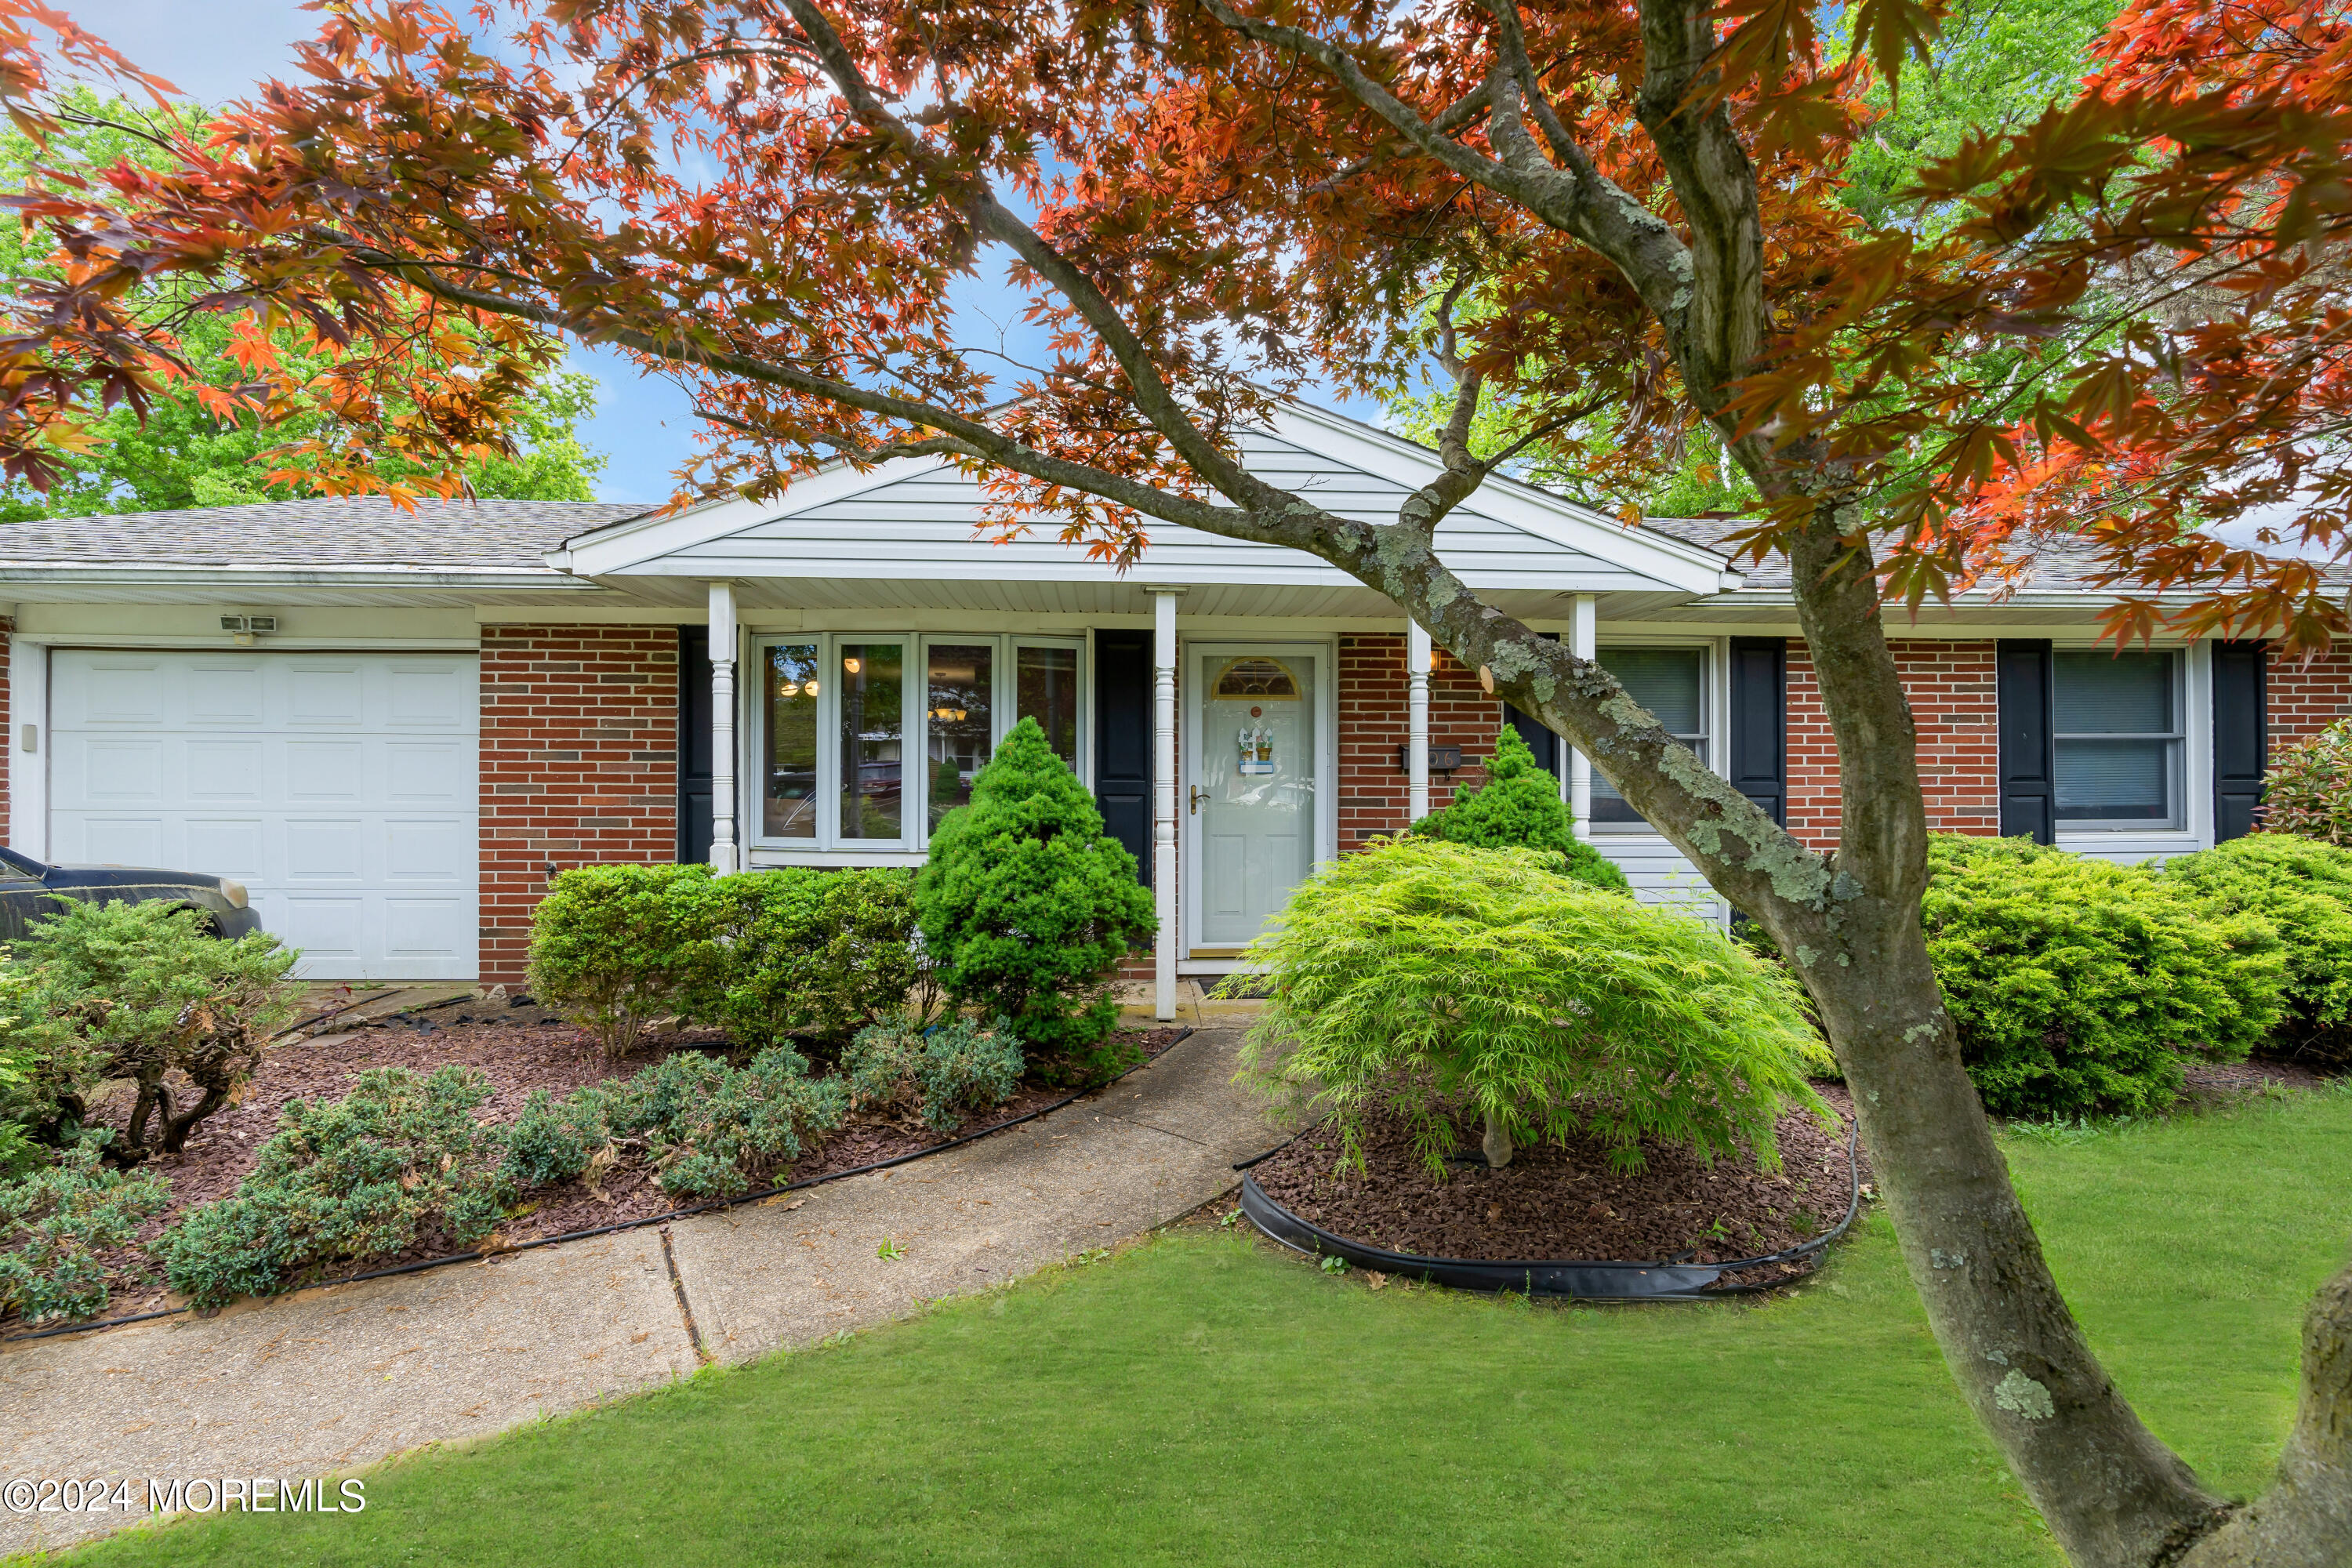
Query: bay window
{"x": 865, "y": 742}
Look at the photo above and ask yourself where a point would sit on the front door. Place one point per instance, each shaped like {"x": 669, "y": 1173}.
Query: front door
{"x": 1254, "y": 760}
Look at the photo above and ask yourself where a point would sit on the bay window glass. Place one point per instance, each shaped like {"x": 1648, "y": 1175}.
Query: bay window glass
{"x": 1046, "y": 690}
{"x": 2119, "y": 733}
{"x": 1671, "y": 682}
{"x": 789, "y": 791}
{"x": 958, "y": 717}
{"x": 872, "y": 705}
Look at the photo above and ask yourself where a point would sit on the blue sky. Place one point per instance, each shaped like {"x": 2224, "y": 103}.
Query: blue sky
{"x": 214, "y": 50}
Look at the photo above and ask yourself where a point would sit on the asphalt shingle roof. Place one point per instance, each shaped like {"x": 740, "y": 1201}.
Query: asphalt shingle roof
{"x": 356, "y": 531}
{"x": 2059, "y": 565}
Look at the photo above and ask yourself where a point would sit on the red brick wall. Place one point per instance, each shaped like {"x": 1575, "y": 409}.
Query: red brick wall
{"x": 2305, "y": 698}
{"x": 579, "y": 765}
{"x": 1372, "y": 723}
{"x": 1953, "y": 704}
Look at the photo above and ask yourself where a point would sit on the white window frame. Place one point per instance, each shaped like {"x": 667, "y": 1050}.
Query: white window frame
{"x": 2175, "y": 756}
{"x": 915, "y": 731}
{"x": 1712, "y": 653}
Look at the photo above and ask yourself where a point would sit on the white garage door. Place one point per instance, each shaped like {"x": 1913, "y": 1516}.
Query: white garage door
{"x": 338, "y": 788}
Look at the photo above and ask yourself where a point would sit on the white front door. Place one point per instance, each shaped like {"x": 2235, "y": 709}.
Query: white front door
{"x": 338, "y": 788}
{"x": 1255, "y": 785}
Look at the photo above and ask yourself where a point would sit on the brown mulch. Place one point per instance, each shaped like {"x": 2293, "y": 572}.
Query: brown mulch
{"x": 520, "y": 1049}
{"x": 2209, "y": 1080}
{"x": 1564, "y": 1205}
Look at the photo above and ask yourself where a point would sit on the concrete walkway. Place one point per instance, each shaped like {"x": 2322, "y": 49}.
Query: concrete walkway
{"x": 331, "y": 1380}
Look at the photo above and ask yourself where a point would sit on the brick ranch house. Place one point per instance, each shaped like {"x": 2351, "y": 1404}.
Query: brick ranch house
{"x": 394, "y": 727}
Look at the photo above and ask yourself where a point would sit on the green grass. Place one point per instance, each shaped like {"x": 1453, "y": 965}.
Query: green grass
{"x": 1198, "y": 1400}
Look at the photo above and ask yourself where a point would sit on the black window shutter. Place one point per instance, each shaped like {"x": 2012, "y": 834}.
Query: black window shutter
{"x": 1760, "y": 723}
{"x": 694, "y": 745}
{"x": 1532, "y": 730}
{"x": 2029, "y": 745}
{"x": 1123, "y": 739}
{"x": 2240, "y": 736}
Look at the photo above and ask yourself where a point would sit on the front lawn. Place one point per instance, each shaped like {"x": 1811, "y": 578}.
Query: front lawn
{"x": 1201, "y": 1400}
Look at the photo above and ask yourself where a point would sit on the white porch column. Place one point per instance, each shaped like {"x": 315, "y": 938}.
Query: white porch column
{"x": 723, "y": 851}
{"x": 1163, "y": 798}
{"x": 1416, "y": 722}
{"x": 1579, "y": 766}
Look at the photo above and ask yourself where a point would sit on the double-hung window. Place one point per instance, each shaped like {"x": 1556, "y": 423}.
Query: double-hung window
{"x": 1671, "y": 682}
{"x": 2120, "y": 728}
{"x": 867, "y": 741}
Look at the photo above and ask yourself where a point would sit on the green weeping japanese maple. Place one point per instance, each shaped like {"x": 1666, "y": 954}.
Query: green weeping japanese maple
{"x": 1445, "y": 981}
{"x": 1025, "y": 905}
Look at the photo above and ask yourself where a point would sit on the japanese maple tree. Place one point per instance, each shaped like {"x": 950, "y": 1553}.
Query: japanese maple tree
{"x": 2121, "y": 321}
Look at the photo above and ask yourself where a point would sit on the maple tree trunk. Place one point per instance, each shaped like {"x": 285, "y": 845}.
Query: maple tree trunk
{"x": 2110, "y": 1492}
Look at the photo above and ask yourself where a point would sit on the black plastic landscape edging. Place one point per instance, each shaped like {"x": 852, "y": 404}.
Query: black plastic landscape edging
{"x": 478, "y": 1255}
{"x": 1581, "y": 1280}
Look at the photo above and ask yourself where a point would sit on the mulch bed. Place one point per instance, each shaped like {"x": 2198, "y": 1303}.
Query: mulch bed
{"x": 519, "y": 1048}
{"x": 2208, "y": 1081}
{"x": 1563, "y": 1204}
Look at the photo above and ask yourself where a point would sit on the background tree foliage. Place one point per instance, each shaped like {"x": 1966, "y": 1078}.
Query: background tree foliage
{"x": 185, "y": 453}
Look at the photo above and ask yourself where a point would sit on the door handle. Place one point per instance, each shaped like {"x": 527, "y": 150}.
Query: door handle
{"x": 1196, "y": 801}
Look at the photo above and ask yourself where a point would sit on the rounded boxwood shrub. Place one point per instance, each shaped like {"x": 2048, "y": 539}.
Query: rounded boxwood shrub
{"x": 2304, "y": 887}
{"x": 1025, "y": 905}
{"x": 2308, "y": 790}
{"x": 2074, "y": 983}
{"x": 618, "y": 949}
{"x": 817, "y": 954}
{"x": 1444, "y": 982}
{"x": 1519, "y": 808}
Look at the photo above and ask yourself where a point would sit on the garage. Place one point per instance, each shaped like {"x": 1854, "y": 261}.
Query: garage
{"x": 338, "y": 788}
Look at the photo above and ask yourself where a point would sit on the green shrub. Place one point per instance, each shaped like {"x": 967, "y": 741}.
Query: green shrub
{"x": 2075, "y": 983}
{"x": 360, "y": 1177}
{"x": 2308, "y": 790}
{"x": 144, "y": 989}
{"x": 818, "y": 954}
{"x": 1520, "y": 807}
{"x": 1441, "y": 980}
{"x": 620, "y": 949}
{"x": 2303, "y": 887}
{"x": 55, "y": 1223}
{"x": 554, "y": 1140}
{"x": 710, "y": 1128}
{"x": 938, "y": 1074}
{"x": 1026, "y": 904}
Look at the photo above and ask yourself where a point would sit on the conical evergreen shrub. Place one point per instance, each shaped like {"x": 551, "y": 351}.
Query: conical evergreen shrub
{"x": 1025, "y": 905}
{"x": 1520, "y": 808}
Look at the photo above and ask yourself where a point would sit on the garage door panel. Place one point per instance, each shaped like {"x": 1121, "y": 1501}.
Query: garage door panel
{"x": 326, "y": 696}
{"x": 424, "y": 696}
{"x": 340, "y": 789}
{"x": 223, "y": 771}
{"x": 325, "y": 773}
{"x": 228, "y": 846}
{"x": 426, "y": 851}
{"x": 418, "y": 773}
{"x": 324, "y": 928}
{"x": 225, "y": 693}
{"x": 120, "y": 771}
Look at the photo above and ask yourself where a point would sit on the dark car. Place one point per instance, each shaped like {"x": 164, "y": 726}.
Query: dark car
{"x": 29, "y": 889}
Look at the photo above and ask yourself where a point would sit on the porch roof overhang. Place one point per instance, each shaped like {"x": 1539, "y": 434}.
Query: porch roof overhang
{"x": 912, "y": 533}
